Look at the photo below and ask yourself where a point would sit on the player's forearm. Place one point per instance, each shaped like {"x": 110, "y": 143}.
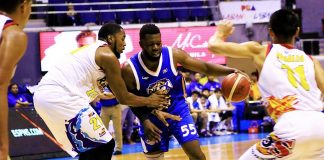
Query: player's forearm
{"x": 133, "y": 100}
{"x": 215, "y": 42}
{"x": 218, "y": 70}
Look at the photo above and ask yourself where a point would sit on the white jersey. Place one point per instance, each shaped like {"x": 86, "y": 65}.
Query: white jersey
{"x": 287, "y": 81}
{"x": 5, "y": 22}
{"x": 62, "y": 100}
{"x": 78, "y": 73}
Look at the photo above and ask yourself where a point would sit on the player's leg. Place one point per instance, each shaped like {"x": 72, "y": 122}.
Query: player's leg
{"x": 293, "y": 138}
{"x": 270, "y": 148}
{"x": 204, "y": 122}
{"x": 193, "y": 150}
{"x": 194, "y": 116}
{"x": 186, "y": 134}
{"x": 152, "y": 150}
{"x": 117, "y": 124}
{"x": 105, "y": 115}
{"x": 74, "y": 124}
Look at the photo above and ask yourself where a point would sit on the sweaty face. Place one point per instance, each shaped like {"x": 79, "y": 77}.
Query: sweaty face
{"x": 152, "y": 46}
{"x": 119, "y": 44}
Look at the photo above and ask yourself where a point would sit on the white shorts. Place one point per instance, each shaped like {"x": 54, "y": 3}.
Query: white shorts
{"x": 296, "y": 134}
{"x": 70, "y": 118}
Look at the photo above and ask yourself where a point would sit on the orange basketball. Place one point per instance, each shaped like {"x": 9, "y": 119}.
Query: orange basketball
{"x": 235, "y": 87}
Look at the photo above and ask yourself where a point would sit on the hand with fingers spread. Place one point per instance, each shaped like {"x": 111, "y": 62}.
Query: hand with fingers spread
{"x": 159, "y": 101}
{"x": 152, "y": 132}
{"x": 162, "y": 116}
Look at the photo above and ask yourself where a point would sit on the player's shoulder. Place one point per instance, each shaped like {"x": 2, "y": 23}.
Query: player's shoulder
{"x": 14, "y": 33}
{"x": 176, "y": 50}
{"x": 254, "y": 45}
{"x": 178, "y": 53}
{"x": 126, "y": 66}
{"x": 104, "y": 56}
{"x": 256, "y": 48}
{"x": 105, "y": 52}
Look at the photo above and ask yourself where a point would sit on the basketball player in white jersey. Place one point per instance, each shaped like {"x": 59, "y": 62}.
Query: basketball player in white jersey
{"x": 290, "y": 82}
{"x": 14, "y": 15}
{"x": 64, "y": 93}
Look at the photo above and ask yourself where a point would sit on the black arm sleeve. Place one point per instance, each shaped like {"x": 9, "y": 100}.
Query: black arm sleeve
{"x": 142, "y": 113}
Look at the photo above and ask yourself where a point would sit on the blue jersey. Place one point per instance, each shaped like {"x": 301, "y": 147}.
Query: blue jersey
{"x": 165, "y": 80}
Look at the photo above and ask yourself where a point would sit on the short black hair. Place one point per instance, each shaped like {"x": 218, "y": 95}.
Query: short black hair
{"x": 9, "y": 6}
{"x": 284, "y": 24}
{"x": 255, "y": 73}
{"x": 195, "y": 92}
{"x": 218, "y": 90}
{"x": 204, "y": 96}
{"x": 108, "y": 29}
{"x": 12, "y": 84}
{"x": 149, "y": 29}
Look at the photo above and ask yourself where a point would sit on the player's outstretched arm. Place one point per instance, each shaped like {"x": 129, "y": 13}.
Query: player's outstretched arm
{"x": 319, "y": 75}
{"x": 217, "y": 44}
{"x": 111, "y": 66}
{"x": 12, "y": 48}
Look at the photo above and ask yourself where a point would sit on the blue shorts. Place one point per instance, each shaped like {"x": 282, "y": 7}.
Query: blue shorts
{"x": 184, "y": 131}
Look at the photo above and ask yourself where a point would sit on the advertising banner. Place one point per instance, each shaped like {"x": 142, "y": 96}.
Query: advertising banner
{"x": 243, "y": 12}
{"x": 193, "y": 40}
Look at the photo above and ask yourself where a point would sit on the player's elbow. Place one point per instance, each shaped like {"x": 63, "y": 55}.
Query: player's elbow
{"x": 214, "y": 47}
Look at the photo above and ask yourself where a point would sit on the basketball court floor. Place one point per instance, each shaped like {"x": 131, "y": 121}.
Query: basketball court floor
{"x": 227, "y": 147}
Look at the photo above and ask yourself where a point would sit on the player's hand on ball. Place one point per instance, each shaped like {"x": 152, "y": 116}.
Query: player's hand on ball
{"x": 243, "y": 73}
{"x": 162, "y": 116}
{"x": 159, "y": 101}
{"x": 152, "y": 133}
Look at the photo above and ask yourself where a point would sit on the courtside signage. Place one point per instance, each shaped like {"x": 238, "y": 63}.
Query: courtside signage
{"x": 242, "y": 12}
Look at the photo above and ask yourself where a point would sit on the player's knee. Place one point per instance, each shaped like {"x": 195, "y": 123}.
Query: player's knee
{"x": 155, "y": 156}
{"x": 204, "y": 115}
{"x": 194, "y": 116}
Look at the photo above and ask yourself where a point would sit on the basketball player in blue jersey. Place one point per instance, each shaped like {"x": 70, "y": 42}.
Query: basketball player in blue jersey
{"x": 154, "y": 70}
{"x": 14, "y": 15}
{"x": 290, "y": 83}
{"x": 63, "y": 95}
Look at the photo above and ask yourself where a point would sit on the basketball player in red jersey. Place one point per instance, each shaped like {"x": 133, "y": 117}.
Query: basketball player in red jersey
{"x": 290, "y": 83}
{"x": 14, "y": 15}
